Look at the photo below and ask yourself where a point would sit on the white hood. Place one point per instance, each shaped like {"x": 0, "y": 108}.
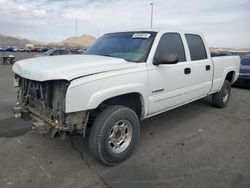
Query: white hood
{"x": 67, "y": 67}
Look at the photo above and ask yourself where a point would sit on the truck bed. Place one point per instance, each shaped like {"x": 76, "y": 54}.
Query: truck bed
{"x": 222, "y": 65}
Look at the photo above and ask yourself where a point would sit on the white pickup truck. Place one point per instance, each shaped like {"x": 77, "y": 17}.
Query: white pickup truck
{"x": 122, "y": 78}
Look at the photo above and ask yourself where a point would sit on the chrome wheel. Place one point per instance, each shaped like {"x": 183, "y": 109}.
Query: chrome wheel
{"x": 114, "y": 134}
{"x": 120, "y": 136}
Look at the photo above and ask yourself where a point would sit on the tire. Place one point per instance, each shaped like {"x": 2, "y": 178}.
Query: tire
{"x": 111, "y": 125}
{"x": 221, "y": 98}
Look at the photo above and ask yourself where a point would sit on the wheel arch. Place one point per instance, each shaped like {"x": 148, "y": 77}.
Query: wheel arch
{"x": 132, "y": 100}
{"x": 230, "y": 75}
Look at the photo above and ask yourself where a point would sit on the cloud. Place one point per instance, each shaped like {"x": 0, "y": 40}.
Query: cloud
{"x": 224, "y": 23}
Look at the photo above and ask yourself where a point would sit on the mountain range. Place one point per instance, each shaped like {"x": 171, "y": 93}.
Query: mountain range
{"x": 79, "y": 41}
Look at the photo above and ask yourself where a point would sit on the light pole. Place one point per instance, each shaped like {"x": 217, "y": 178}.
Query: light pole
{"x": 18, "y": 43}
{"x": 152, "y": 12}
{"x": 76, "y": 27}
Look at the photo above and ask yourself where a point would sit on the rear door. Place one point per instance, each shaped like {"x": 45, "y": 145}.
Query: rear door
{"x": 201, "y": 66}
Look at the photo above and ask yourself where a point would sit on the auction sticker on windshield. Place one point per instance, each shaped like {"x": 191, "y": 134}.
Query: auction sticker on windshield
{"x": 141, "y": 35}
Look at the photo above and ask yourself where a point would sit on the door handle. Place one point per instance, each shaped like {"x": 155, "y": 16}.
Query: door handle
{"x": 187, "y": 70}
{"x": 208, "y": 67}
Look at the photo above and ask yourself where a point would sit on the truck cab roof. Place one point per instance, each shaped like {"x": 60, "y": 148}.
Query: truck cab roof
{"x": 158, "y": 30}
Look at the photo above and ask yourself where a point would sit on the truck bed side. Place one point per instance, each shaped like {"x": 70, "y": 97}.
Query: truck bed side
{"x": 222, "y": 66}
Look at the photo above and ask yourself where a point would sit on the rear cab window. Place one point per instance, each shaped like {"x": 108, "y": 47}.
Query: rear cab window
{"x": 196, "y": 47}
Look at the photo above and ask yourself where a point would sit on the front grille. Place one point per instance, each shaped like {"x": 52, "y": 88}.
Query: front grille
{"x": 46, "y": 97}
{"x": 36, "y": 94}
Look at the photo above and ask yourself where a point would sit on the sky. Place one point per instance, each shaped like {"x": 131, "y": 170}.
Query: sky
{"x": 224, "y": 23}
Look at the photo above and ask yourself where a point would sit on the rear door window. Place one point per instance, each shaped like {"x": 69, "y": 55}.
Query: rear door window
{"x": 196, "y": 47}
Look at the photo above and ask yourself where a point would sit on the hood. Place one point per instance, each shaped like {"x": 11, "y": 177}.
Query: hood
{"x": 68, "y": 67}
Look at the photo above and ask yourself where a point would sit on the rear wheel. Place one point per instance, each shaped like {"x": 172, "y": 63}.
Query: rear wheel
{"x": 114, "y": 134}
{"x": 221, "y": 98}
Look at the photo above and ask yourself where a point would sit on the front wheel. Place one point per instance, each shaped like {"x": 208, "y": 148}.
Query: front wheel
{"x": 221, "y": 98}
{"x": 114, "y": 134}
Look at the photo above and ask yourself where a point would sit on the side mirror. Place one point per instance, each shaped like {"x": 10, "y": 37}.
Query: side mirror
{"x": 165, "y": 58}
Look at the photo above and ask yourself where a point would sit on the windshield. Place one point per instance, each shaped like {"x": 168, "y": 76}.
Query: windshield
{"x": 245, "y": 61}
{"x": 131, "y": 46}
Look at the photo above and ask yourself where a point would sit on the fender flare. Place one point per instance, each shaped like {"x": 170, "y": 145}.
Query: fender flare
{"x": 227, "y": 70}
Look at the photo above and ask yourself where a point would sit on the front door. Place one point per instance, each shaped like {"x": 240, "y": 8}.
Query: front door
{"x": 168, "y": 82}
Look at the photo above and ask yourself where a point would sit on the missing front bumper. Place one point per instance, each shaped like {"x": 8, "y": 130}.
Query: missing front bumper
{"x": 73, "y": 122}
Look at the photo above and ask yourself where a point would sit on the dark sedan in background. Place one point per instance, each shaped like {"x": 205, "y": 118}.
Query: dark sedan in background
{"x": 244, "y": 77}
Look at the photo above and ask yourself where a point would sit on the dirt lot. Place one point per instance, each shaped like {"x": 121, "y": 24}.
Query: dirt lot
{"x": 196, "y": 145}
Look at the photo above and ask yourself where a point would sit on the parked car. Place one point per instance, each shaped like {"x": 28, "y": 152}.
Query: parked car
{"x": 226, "y": 54}
{"x": 15, "y": 49}
{"x": 217, "y": 54}
{"x": 1, "y": 49}
{"x": 9, "y": 49}
{"x": 244, "y": 76}
{"x": 53, "y": 52}
{"x": 21, "y": 49}
{"x": 77, "y": 51}
{"x": 34, "y": 49}
{"x": 121, "y": 79}
{"x": 42, "y": 50}
{"x": 234, "y": 53}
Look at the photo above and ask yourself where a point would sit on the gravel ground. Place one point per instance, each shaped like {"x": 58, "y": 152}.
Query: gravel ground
{"x": 196, "y": 145}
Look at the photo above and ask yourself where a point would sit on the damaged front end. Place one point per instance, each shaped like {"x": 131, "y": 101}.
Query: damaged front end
{"x": 44, "y": 103}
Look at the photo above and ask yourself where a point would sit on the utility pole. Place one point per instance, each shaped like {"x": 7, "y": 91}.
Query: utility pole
{"x": 76, "y": 27}
{"x": 152, "y": 13}
{"x": 18, "y": 43}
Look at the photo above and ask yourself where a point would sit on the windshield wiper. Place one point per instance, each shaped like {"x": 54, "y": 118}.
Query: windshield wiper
{"x": 108, "y": 55}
